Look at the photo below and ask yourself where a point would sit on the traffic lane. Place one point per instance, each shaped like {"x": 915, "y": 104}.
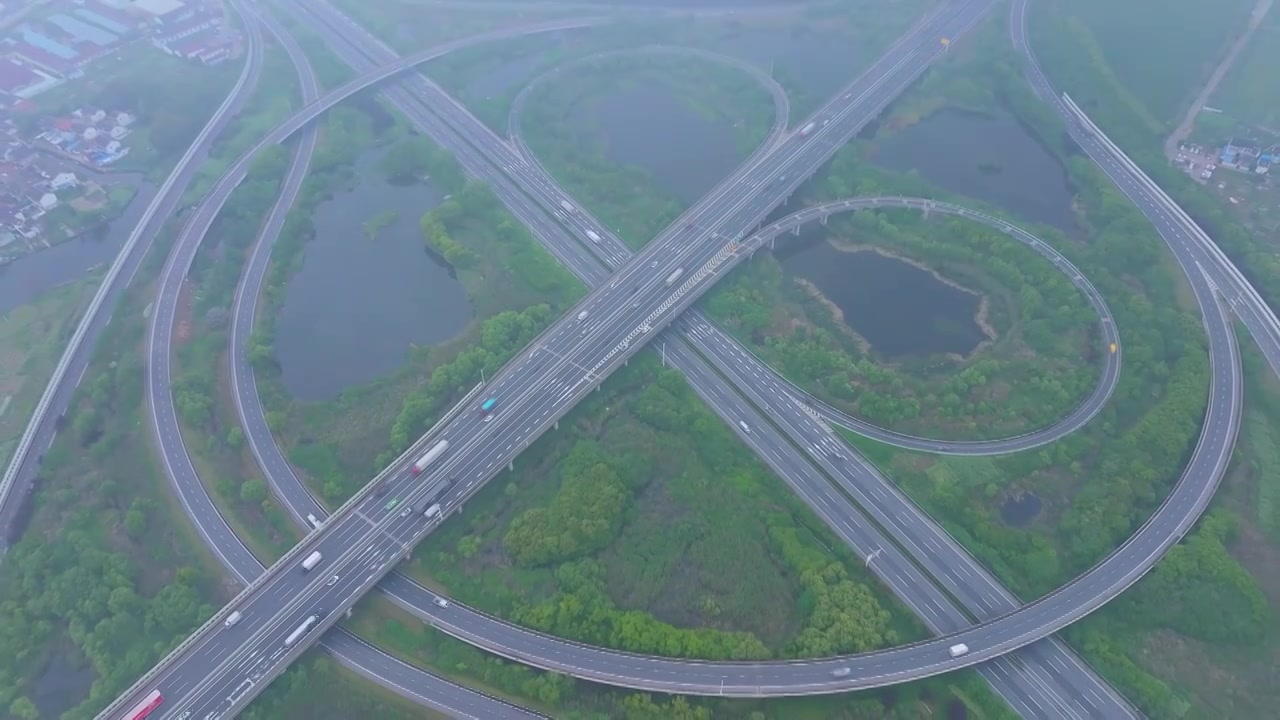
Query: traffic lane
{"x": 261, "y": 652}
{"x": 919, "y": 535}
{"x": 1023, "y": 684}
{"x": 417, "y": 686}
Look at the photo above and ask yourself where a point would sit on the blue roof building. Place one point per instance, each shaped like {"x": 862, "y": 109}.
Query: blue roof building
{"x": 83, "y": 31}
{"x": 103, "y": 22}
{"x": 47, "y": 44}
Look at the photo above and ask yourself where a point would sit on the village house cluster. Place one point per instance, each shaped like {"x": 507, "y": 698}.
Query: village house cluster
{"x": 52, "y": 160}
{"x": 1201, "y": 162}
{"x": 43, "y": 51}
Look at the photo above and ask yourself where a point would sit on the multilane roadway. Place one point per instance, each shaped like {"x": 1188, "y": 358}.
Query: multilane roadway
{"x": 288, "y": 487}
{"x": 611, "y": 354}
{"x": 1209, "y": 321}
{"x": 988, "y": 599}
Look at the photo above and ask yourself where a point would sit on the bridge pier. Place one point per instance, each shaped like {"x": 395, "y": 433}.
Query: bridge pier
{"x": 823, "y": 219}
{"x": 557, "y": 425}
{"x": 795, "y": 230}
{"x": 511, "y": 466}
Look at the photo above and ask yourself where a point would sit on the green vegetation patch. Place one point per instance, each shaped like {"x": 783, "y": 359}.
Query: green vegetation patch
{"x": 32, "y": 338}
{"x": 1249, "y": 93}
{"x": 1161, "y": 57}
{"x": 104, "y": 578}
{"x": 1168, "y": 644}
{"x": 172, "y": 99}
{"x": 514, "y": 286}
{"x": 1041, "y": 363}
{"x": 644, "y": 525}
{"x": 560, "y": 128}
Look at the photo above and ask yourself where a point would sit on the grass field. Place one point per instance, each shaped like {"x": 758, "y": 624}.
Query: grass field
{"x": 1159, "y": 56}
{"x": 32, "y": 337}
{"x": 696, "y": 521}
{"x": 1250, "y": 94}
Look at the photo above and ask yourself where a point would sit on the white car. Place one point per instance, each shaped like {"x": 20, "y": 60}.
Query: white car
{"x": 441, "y": 602}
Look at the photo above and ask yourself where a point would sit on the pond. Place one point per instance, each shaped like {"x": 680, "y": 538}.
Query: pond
{"x": 646, "y": 125}
{"x": 1020, "y": 509}
{"x": 998, "y": 162}
{"x": 30, "y": 276}
{"x": 63, "y": 683}
{"x": 358, "y": 304}
{"x": 898, "y": 308}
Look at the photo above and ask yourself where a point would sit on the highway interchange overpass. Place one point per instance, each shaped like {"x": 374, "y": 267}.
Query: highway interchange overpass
{"x": 1221, "y": 349}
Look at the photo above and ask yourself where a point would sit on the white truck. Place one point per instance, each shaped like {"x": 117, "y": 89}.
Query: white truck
{"x": 582, "y": 316}
{"x": 568, "y": 206}
{"x": 301, "y": 630}
{"x": 430, "y": 456}
{"x": 958, "y": 650}
{"x": 312, "y": 561}
{"x": 674, "y": 276}
{"x": 432, "y": 511}
{"x": 232, "y": 619}
{"x": 593, "y": 236}
{"x": 807, "y": 129}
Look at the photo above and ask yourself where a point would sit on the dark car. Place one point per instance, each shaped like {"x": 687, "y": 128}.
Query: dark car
{"x": 382, "y": 490}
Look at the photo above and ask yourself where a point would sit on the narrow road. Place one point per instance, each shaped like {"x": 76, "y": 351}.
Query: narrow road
{"x": 1260, "y": 11}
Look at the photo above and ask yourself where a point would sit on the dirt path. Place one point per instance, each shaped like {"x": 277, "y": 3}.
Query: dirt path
{"x": 1184, "y": 128}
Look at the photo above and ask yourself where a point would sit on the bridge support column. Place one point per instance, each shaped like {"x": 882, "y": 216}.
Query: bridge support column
{"x": 795, "y": 230}
{"x": 349, "y": 611}
{"x": 772, "y": 242}
{"x": 823, "y": 219}
{"x": 557, "y": 425}
{"x": 511, "y": 466}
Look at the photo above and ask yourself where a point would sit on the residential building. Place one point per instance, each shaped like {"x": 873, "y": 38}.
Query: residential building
{"x": 14, "y": 77}
{"x": 118, "y": 132}
{"x": 22, "y": 81}
{"x": 102, "y": 17}
{"x": 64, "y": 180}
{"x": 46, "y": 43}
{"x": 83, "y": 31}
{"x": 48, "y": 201}
{"x": 32, "y": 55}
